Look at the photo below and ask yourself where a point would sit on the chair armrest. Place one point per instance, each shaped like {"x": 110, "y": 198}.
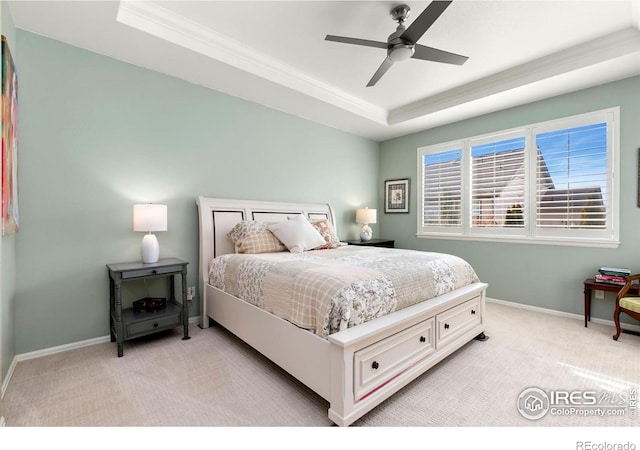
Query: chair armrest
{"x": 627, "y": 286}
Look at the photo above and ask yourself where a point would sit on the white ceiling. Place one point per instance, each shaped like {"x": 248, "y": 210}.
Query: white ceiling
{"x": 274, "y": 53}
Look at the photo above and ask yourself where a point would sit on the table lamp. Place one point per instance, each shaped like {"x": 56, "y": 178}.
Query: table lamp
{"x": 148, "y": 218}
{"x": 366, "y": 216}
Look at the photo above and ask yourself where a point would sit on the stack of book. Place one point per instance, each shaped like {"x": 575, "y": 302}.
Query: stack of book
{"x": 612, "y": 275}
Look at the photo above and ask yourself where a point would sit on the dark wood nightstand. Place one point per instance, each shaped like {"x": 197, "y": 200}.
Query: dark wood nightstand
{"x": 127, "y": 324}
{"x": 373, "y": 243}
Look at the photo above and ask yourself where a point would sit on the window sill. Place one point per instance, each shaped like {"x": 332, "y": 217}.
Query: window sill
{"x": 595, "y": 243}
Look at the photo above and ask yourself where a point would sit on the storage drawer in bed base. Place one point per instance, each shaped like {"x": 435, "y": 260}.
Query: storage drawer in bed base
{"x": 378, "y": 364}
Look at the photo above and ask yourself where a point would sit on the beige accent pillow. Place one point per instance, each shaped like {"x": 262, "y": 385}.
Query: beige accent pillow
{"x": 326, "y": 230}
{"x": 251, "y": 236}
{"x": 297, "y": 234}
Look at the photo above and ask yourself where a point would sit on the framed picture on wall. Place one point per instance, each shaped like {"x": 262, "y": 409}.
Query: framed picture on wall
{"x": 396, "y": 198}
{"x": 9, "y": 142}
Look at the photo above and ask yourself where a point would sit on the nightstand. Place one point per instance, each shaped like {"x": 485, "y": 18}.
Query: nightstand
{"x": 127, "y": 324}
{"x": 373, "y": 243}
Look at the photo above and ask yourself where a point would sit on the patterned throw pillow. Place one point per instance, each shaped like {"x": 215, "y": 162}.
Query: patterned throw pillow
{"x": 325, "y": 229}
{"x": 251, "y": 236}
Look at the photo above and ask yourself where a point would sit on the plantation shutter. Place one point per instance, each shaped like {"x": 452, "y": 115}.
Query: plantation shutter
{"x": 442, "y": 183}
{"x": 572, "y": 177}
{"x": 498, "y": 184}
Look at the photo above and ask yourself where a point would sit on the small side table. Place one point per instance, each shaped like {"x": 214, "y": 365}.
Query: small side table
{"x": 373, "y": 243}
{"x": 591, "y": 285}
{"x": 126, "y": 324}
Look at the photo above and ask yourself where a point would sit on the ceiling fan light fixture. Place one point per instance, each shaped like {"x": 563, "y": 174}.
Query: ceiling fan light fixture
{"x": 401, "y": 53}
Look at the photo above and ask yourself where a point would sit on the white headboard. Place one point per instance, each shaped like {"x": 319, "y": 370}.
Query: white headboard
{"x": 217, "y": 216}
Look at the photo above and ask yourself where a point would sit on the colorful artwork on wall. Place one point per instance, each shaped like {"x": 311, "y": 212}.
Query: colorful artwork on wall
{"x": 9, "y": 142}
{"x": 396, "y": 196}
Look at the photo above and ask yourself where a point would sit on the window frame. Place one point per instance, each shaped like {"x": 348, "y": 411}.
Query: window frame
{"x": 530, "y": 234}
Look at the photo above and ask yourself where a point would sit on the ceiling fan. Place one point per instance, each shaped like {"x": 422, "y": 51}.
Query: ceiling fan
{"x": 402, "y": 44}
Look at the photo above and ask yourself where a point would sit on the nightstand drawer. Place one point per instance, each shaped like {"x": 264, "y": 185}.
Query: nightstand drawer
{"x": 151, "y": 271}
{"x": 153, "y": 324}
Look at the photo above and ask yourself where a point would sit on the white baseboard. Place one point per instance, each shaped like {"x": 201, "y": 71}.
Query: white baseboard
{"x": 553, "y": 312}
{"x": 5, "y": 382}
{"x": 74, "y": 345}
{"x": 45, "y": 352}
{"x": 59, "y": 349}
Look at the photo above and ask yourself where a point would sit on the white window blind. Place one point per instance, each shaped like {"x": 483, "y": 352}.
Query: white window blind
{"x": 442, "y": 193}
{"x": 498, "y": 184}
{"x": 572, "y": 178}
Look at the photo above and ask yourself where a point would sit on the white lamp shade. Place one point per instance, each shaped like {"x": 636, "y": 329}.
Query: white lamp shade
{"x": 149, "y": 217}
{"x": 366, "y": 215}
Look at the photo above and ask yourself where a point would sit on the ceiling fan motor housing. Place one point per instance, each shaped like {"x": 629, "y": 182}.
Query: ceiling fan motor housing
{"x": 399, "y": 49}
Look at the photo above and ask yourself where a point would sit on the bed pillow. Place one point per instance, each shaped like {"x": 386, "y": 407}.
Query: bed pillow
{"x": 326, "y": 230}
{"x": 251, "y": 236}
{"x": 297, "y": 234}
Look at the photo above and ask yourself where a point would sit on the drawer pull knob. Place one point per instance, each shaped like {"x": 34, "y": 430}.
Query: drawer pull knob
{"x": 473, "y": 311}
{"x": 154, "y": 271}
{"x": 155, "y": 324}
{"x": 423, "y": 339}
{"x": 375, "y": 365}
{"x": 446, "y": 326}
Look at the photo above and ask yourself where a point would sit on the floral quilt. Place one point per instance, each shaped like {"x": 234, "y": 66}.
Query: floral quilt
{"x": 327, "y": 291}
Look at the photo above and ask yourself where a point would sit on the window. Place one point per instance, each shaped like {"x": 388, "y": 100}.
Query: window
{"x": 549, "y": 183}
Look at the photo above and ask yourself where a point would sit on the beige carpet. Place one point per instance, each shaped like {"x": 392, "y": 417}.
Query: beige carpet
{"x": 214, "y": 379}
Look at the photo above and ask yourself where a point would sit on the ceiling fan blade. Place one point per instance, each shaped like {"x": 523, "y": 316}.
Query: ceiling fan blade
{"x": 354, "y": 41}
{"x": 433, "y": 54}
{"x": 381, "y": 71}
{"x": 422, "y": 23}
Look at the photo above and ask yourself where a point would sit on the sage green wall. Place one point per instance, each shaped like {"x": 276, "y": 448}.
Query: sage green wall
{"x": 7, "y": 243}
{"x": 98, "y": 135}
{"x": 540, "y": 275}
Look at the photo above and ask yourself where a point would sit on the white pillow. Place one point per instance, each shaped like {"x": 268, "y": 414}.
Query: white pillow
{"x": 297, "y": 234}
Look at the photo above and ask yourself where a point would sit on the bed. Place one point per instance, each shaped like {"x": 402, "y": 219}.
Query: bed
{"x": 328, "y": 340}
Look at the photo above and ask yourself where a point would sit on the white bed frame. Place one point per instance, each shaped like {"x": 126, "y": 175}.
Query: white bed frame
{"x": 356, "y": 369}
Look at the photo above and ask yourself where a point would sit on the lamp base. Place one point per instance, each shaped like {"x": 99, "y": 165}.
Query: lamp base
{"x": 150, "y": 249}
{"x": 366, "y": 233}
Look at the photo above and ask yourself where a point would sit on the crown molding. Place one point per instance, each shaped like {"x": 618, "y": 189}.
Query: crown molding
{"x": 152, "y": 18}
{"x": 614, "y": 45}
{"x": 162, "y": 23}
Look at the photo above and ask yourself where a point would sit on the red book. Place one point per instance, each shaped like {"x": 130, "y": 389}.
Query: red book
{"x": 610, "y": 279}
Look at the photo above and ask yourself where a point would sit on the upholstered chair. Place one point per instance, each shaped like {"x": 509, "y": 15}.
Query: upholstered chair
{"x": 627, "y": 305}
